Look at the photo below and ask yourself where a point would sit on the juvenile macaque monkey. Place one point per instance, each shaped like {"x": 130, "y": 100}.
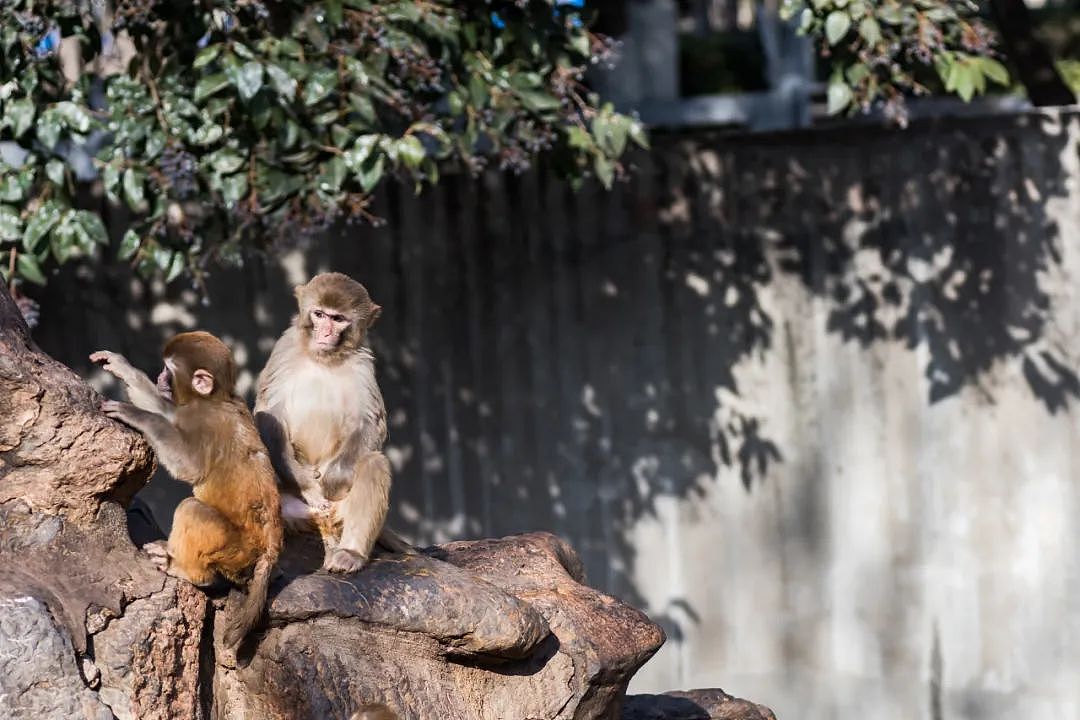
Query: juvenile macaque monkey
{"x": 204, "y": 435}
{"x": 322, "y": 417}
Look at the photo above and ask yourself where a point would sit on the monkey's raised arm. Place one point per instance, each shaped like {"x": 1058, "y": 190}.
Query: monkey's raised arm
{"x": 140, "y": 389}
{"x": 162, "y": 435}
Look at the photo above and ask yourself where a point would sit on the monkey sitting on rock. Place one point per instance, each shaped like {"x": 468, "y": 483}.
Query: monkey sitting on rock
{"x": 321, "y": 415}
{"x": 203, "y": 434}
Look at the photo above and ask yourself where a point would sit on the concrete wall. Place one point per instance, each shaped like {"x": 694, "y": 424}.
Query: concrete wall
{"x": 809, "y": 399}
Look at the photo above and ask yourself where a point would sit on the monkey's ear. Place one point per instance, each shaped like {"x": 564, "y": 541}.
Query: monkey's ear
{"x": 202, "y": 382}
{"x": 376, "y": 311}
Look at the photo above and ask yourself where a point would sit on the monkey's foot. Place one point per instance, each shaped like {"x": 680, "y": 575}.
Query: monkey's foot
{"x": 159, "y": 554}
{"x": 344, "y": 561}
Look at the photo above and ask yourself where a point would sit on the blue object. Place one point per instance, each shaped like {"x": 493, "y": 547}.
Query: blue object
{"x": 48, "y": 44}
{"x": 499, "y": 23}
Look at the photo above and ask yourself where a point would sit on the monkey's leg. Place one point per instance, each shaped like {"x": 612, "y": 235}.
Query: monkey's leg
{"x": 200, "y": 537}
{"x": 362, "y": 513}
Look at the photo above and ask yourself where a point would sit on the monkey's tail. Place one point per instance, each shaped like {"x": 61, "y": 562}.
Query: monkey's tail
{"x": 243, "y": 618}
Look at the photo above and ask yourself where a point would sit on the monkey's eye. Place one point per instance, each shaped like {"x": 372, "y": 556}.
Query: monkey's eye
{"x": 337, "y": 318}
{"x": 318, "y": 313}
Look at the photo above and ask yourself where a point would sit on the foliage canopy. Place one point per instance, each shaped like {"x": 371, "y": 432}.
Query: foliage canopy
{"x": 884, "y": 50}
{"x": 220, "y": 125}
{"x": 225, "y": 124}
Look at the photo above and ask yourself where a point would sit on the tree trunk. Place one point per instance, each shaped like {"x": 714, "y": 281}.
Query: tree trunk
{"x": 1044, "y": 85}
{"x": 90, "y": 629}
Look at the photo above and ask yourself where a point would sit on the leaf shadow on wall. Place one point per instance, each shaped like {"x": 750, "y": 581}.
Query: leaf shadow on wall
{"x": 568, "y": 361}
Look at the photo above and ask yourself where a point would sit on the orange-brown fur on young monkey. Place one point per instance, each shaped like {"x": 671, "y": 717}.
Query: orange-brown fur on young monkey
{"x": 322, "y": 417}
{"x": 204, "y": 435}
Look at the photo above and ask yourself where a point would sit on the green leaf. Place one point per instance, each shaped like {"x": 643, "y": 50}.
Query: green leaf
{"x": 410, "y": 151}
{"x": 870, "y": 31}
{"x": 163, "y": 257}
{"x": 965, "y": 81}
{"x": 207, "y": 134}
{"x": 134, "y": 194}
{"x": 206, "y": 56}
{"x": 129, "y": 245}
{"x": 360, "y": 151}
{"x": 74, "y": 117}
{"x": 176, "y": 266}
{"x": 321, "y": 83}
{"x": 209, "y": 86}
{"x": 93, "y": 226}
{"x": 333, "y": 175}
{"x": 110, "y": 178}
{"x": 155, "y": 143}
{"x": 249, "y": 79}
{"x": 994, "y": 70}
{"x": 837, "y": 25}
{"x": 48, "y": 129}
{"x": 12, "y": 189}
{"x": 233, "y": 189}
{"x": 370, "y": 174}
{"x": 54, "y": 170}
{"x": 283, "y": 84}
{"x": 19, "y": 116}
{"x": 537, "y": 101}
{"x": 29, "y": 269}
{"x": 579, "y": 138}
{"x": 39, "y": 225}
{"x": 226, "y": 162}
{"x": 839, "y": 97}
{"x": 10, "y": 223}
{"x": 605, "y": 171}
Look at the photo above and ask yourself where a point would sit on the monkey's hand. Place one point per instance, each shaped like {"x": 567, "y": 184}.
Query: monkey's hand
{"x": 344, "y": 561}
{"x": 159, "y": 555}
{"x": 115, "y": 364}
{"x": 124, "y": 412}
{"x": 141, "y": 391}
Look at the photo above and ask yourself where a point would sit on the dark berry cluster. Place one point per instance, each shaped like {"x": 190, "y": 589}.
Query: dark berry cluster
{"x": 180, "y": 169}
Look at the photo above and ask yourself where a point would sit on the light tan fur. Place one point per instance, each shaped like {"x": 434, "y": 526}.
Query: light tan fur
{"x": 232, "y": 525}
{"x": 321, "y": 414}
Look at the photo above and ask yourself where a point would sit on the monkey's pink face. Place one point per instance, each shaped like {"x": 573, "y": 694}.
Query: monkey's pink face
{"x": 327, "y": 327}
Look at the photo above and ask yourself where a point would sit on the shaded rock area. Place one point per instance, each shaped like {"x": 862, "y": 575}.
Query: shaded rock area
{"x": 711, "y": 704}
{"x": 91, "y": 630}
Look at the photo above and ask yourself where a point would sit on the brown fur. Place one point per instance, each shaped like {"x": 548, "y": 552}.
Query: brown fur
{"x": 321, "y": 414}
{"x": 232, "y": 526}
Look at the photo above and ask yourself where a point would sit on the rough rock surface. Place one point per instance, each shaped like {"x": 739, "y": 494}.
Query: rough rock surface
{"x": 711, "y": 704}
{"x": 462, "y": 632}
{"x": 38, "y": 676}
{"x": 58, "y": 452}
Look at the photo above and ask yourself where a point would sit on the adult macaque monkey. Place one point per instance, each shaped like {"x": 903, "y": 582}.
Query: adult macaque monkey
{"x": 204, "y": 435}
{"x": 322, "y": 417}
